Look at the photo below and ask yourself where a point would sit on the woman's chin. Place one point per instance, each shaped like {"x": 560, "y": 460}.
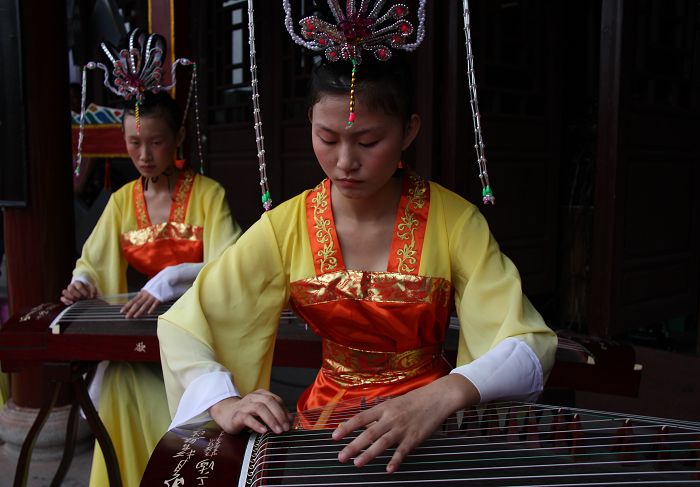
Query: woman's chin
{"x": 148, "y": 171}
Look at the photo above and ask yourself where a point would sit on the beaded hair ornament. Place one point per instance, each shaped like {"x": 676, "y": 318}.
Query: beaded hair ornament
{"x": 136, "y": 71}
{"x": 366, "y": 27}
{"x": 486, "y": 192}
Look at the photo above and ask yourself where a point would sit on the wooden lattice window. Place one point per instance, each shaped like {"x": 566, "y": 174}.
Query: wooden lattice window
{"x": 229, "y": 71}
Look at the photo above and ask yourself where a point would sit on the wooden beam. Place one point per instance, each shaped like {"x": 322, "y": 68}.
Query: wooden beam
{"x": 606, "y": 239}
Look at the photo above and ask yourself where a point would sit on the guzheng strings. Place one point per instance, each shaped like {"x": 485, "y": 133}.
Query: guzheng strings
{"x": 497, "y": 444}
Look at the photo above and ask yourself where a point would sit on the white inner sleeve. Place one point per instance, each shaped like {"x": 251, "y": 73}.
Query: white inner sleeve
{"x": 202, "y": 393}
{"x": 173, "y": 281}
{"x": 82, "y": 278}
{"x": 510, "y": 370}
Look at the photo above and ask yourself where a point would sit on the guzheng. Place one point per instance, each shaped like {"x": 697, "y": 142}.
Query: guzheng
{"x": 498, "y": 444}
{"x": 103, "y": 316}
{"x": 90, "y": 330}
{"x": 95, "y": 330}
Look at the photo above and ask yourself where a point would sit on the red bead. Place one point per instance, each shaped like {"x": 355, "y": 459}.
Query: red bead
{"x": 400, "y": 11}
{"x": 404, "y": 28}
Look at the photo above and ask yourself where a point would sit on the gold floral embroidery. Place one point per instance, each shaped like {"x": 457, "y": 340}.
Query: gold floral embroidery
{"x": 324, "y": 235}
{"x": 178, "y": 210}
{"x": 182, "y": 197}
{"x": 409, "y": 224}
{"x": 142, "y": 219}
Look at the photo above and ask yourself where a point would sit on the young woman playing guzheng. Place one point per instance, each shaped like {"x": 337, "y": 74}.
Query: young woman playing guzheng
{"x": 374, "y": 259}
{"x": 166, "y": 225}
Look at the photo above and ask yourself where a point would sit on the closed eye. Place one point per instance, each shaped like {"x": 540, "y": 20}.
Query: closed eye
{"x": 369, "y": 144}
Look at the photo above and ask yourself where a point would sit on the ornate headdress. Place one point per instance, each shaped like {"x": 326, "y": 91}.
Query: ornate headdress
{"x": 370, "y": 28}
{"x": 136, "y": 71}
{"x": 357, "y": 29}
{"x": 365, "y": 27}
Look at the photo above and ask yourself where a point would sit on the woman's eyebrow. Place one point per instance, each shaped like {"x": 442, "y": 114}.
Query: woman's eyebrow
{"x": 355, "y": 132}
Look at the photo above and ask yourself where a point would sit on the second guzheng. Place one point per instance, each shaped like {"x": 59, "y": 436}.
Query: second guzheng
{"x": 103, "y": 316}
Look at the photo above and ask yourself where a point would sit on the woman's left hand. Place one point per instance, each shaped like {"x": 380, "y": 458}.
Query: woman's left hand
{"x": 405, "y": 421}
{"x": 142, "y": 303}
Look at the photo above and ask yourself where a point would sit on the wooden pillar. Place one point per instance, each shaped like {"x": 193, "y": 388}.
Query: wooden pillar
{"x": 161, "y": 20}
{"x": 39, "y": 238}
{"x": 606, "y": 240}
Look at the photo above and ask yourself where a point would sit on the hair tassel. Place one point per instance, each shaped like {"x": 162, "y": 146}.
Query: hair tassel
{"x": 137, "y": 113}
{"x": 351, "y": 115}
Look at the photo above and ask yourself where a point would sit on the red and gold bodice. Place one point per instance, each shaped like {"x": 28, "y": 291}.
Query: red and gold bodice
{"x": 151, "y": 248}
{"x": 382, "y": 331}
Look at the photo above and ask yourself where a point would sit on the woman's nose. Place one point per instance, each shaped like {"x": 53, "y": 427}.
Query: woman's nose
{"x": 144, "y": 153}
{"x": 347, "y": 160}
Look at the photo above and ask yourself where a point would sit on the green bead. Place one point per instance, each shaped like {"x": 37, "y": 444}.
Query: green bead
{"x": 486, "y": 191}
{"x": 266, "y": 197}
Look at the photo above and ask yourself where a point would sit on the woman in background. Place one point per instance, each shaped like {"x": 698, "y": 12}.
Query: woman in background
{"x": 165, "y": 225}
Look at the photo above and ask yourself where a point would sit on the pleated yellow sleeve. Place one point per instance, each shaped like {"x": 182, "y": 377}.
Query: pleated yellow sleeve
{"x": 232, "y": 310}
{"x": 488, "y": 292}
{"x": 209, "y": 209}
{"x": 102, "y": 260}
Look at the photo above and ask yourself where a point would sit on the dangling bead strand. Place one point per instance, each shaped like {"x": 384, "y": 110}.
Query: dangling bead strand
{"x": 351, "y": 116}
{"x": 81, "y": 133}
{"x": 197, "y": 124}
{"x": 257, "y": 118}
{"x": 486, "y": 192}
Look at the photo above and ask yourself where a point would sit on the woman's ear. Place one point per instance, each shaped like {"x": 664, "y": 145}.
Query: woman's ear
{"x": 310, "y": 114}
{"x": 410, "y": 131}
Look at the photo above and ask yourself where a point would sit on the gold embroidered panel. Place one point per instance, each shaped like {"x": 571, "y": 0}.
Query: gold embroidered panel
{"x": 371, "y": 286}
{"x": 162, "y": 231}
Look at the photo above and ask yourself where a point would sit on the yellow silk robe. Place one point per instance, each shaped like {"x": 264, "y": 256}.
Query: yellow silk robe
{"x": 232, "y": 310}
{"x": 103, "y": 261}
{"x": 132, "y": 398}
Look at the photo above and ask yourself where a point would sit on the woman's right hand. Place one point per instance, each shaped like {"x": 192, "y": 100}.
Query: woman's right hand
{"x": 76, "y": 291}
{"x": 258, "y": 411}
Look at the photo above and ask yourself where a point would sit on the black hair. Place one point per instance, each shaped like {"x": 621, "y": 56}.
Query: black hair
{"x": 159, "y": 104}
{"x": 386, "y": 85}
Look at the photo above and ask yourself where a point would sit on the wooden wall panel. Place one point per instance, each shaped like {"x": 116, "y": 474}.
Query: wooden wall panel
{"x": 651, "y": 264}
